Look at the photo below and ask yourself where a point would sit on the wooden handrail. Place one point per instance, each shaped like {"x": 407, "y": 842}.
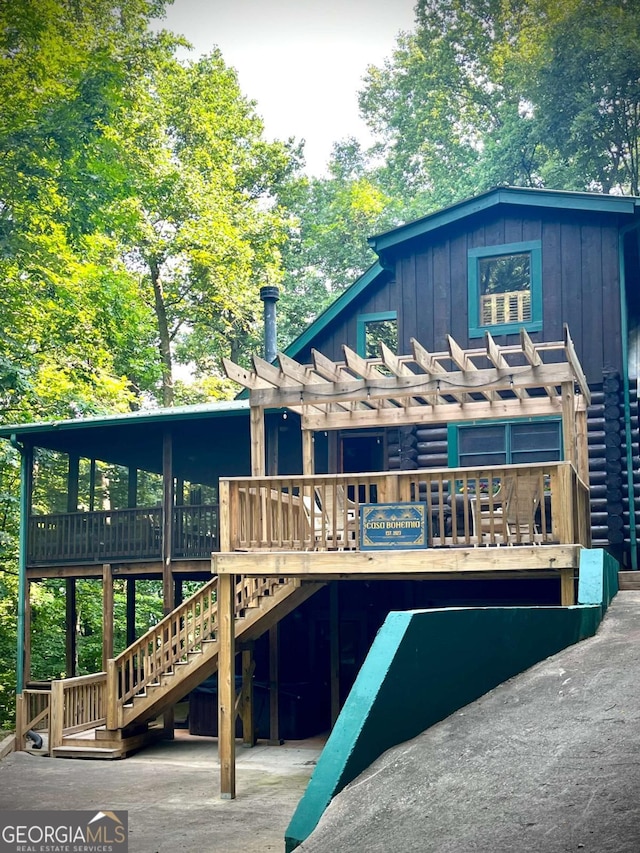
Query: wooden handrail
{"x": 179, "y": 634}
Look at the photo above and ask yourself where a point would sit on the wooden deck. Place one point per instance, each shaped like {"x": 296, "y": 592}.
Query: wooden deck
{"x": 84, "y": 538}
{"x": 539, "y": 504}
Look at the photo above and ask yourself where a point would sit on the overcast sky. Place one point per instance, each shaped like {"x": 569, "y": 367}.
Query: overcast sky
{"x": 302, "y": 61}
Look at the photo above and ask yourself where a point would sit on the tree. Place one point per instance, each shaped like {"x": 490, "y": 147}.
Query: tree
{"x": 528, "y": 92}
{"x": 583, "y": 75}
{"x": 74, "y": 320}
{"x": 327, "y": 247}
{"x": 202, "y": 226}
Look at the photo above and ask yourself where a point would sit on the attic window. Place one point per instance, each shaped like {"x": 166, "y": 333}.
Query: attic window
{"x": 373, "y": 328}
{"x": 505, "y": 288}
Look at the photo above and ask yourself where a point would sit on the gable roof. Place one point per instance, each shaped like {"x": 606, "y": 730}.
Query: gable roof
{"x": 523, "y": 196}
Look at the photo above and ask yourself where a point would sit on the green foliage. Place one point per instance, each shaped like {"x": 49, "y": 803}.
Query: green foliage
{"x": 327, "y": 247}
{"x": 582, "y": 75}
{"x": 526, "y": 93}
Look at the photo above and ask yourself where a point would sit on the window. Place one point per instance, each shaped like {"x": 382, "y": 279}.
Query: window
{"x": 373, "y": 328}
{"x": 505, "y": 288}
{"x": 507, "y": 443}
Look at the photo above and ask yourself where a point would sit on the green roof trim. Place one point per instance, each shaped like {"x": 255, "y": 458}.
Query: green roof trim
{"x": 528, "y": 197}
{"x": 163, "y": 415}
{"x": 336, "y": 307}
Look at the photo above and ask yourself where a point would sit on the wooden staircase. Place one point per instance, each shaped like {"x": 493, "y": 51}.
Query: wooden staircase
{"x": 111, "y": 714}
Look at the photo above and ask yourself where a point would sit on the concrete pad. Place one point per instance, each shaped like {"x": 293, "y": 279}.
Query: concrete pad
{"x": 171, "y": 791}
{"x": 548, "y": 761}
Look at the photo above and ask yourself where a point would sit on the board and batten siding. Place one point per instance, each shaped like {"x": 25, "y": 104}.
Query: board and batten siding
{"x": 376, "y": 299}
{"x": 580, "y": 282}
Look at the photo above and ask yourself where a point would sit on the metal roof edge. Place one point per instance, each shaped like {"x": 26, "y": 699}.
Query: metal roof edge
{"x": 164, "y": 415}
{"x": 527, "y": 196}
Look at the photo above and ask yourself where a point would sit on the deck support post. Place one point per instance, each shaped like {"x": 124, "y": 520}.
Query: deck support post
{"x": 56, "y": 715}
{"x": 20, "y": 743}
{"x": 274, "y": 686}
{"x": 107, "y": 614}
{"x": 27, "y": 632}
{"x": 247, "y": 708}
{"x": 131, "y": 611}
{"x": 226, "y": 687}
{"x": 334, "y": 651}
{"x": 71, "y": 620}
{"x": 167, "y": 521}
{"x": 567, "y": 588}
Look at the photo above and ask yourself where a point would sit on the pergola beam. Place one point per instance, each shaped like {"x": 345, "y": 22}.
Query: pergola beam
{"x": 497, "y": 381}
{"x": 439, "y": 414}
{"x": 415, "y": 385}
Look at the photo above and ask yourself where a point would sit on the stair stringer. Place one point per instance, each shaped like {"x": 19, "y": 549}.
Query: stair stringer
{"x": 199, "y": 665}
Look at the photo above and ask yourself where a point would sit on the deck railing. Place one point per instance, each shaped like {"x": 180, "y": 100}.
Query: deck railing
{"x": 123, "y": 534}
{"x": 33, "y": 713}
{"x": 541, "y": 503}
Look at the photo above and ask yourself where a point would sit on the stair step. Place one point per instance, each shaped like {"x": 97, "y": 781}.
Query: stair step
{"x": 87, "y": 752}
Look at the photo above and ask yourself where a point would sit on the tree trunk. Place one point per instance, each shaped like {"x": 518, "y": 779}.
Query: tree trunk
{"x": 163, "y": 335}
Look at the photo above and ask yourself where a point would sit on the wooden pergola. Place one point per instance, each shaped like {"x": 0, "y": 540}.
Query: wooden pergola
{"x": 490, "y": 382}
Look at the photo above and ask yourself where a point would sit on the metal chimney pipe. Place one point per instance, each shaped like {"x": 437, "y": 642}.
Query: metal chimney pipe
{"x": 270, "y": 295}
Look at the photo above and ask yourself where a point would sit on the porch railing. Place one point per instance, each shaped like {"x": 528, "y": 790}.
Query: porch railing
{"x": 123, "y": 534}
{"x": 541, "y": 503}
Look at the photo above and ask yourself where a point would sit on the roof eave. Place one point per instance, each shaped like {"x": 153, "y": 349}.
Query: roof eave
{"x": 523, "y": 196}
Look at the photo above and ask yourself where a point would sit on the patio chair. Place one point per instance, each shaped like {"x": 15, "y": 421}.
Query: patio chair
{"x": 488, "y": 517}
{"x": 334, "y": 517}
{"x": 522, "y": 499}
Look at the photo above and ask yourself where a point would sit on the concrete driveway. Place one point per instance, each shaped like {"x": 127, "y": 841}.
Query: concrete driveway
{"x": 171, "y": 791}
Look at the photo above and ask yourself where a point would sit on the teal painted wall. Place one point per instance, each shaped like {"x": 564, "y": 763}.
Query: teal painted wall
{"x": 424, "y": 665}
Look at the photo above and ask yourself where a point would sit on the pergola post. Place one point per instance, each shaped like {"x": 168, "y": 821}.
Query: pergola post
{"x": 257, "y": 442}
{"x": 569, "y": 423}
{"x": 308, "y": 462}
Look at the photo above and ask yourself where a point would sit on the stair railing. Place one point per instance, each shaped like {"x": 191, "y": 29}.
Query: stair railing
{"x": 169, "y": 642}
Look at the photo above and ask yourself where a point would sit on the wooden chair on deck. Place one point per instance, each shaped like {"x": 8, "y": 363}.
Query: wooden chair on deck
{"x": 521, "y": 502}
{"x": 488, "y": 517}
{"x": 334, "y": 518}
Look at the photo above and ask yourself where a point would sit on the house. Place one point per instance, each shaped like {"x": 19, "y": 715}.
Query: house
{"x": 484, "y": 370}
